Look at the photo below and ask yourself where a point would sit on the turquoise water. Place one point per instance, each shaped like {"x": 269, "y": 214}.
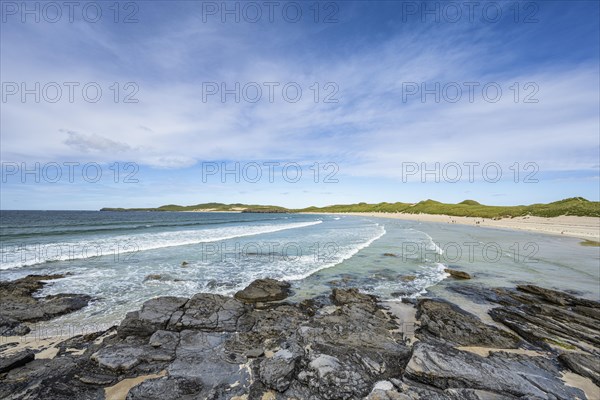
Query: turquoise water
{"x": 124, "y": 258}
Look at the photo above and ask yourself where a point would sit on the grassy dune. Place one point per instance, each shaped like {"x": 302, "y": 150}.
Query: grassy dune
{"x": 577, "y": 206}
{"x": 469, "y": 208}
{"x": 207, "y": 207}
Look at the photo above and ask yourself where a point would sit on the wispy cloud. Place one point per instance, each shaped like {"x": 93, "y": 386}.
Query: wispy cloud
{"x": 370, "y": 131}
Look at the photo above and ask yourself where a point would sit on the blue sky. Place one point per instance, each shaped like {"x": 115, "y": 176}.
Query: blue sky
{"x": 368, "y": 124}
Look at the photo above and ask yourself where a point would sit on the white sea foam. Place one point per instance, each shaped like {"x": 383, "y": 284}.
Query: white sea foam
{"x": 348, "y": 253}
{"x": 425, "y": 277}
{"x": 116, "y": 246}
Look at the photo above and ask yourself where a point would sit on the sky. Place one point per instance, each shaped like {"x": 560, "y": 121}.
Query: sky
{"x": 146, "y": 103}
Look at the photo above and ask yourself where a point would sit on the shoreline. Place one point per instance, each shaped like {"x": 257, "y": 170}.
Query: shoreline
{"x": 564, "y": 225}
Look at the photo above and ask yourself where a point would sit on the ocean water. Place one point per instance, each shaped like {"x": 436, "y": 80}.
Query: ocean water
{"x": 122, "y": 259}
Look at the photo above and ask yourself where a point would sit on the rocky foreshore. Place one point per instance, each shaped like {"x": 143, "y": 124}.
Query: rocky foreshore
{"x": 20, "y": 305}
{"x": 349, "y": 345}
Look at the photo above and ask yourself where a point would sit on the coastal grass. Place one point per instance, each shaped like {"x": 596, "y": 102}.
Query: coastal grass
{"x": 577, "y": 206}
{"x": 206, "y": 207}
{"x": 560, "y": 344}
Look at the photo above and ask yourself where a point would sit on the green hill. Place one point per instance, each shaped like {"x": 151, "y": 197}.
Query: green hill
{"x": 469, "y": 208}
{"x": 206, "y": 207}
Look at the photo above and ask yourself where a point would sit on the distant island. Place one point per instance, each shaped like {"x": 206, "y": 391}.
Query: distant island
{"x": 574, "y": 206}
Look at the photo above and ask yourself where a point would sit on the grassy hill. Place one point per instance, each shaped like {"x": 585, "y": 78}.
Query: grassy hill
{"x": 469, "y": 208}
{"x": 207, "y": 207}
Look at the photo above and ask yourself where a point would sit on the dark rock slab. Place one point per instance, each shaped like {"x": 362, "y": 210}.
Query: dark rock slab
{"x": 448, "y": 322}
{"x": 483, "y": 295}
{"x": 342, "y": 297}
{"x": 557, "y": 297}
{"x": 201, "y": 356}
{"x": 167, "y": 387}
{"x": 351, "y": 348}
{"x": 12, "y": 327}
{"x": 155, "y": 315}
{"x": 212, "y": 312}
{"x": 333, "y": 378}
{"x": 582, "y": 364}
{"x": 16, "y": 360}
{"x": 19, "y": 303}
{"x": 537, "y": 326}
{"x": 278, "y": 371}
{"x": 384, "y": 390}
{"x": 48, "y": 379}
{"x": 264, "y": 290}
{"x": 503, "y": 373}
{"x": 120, "y": 357}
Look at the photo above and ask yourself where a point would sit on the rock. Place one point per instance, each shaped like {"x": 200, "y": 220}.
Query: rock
{"x": 334, "y": 379}
{"x": 12, "y": 327}
{"x": 483, "y": 295}
{"x": 349, "y": 296}
{"x": 475, "y": 394}
{"x": 351, "y": 348}
{"x": 201, "y": 356}
{"x": 582, "y": 364}
{"x": 185, "y": 264}
{"x": 346, "y": 346}
{"x": 264, "y": 290}
{"x": 457, "y": 274}
{"x": 16, "y": 360}
{"x": 167, "y": 387}
{"x": 277, "y": 372}
{"x": 549, "y": 327}
{"x": 26, "y": 286}
{"x": 119, "y": 357}
{"x": 164, "y": 339}
{"x": 513, "y": 374}
{"x": 100, "y": 380}
{"x": 155, "y": 315}
{"x": 153, "y": 277}
{"x": 213, "y": 312}
{"x": 389, "y": 255}
{"x": 19, "y": 304}
{"x": 63, "y": 303}
{"x": 255, "y": 353}
{"x": 448, "y": 322}
{"x": 408, "y": 278}
{"x": 556, "y": 297}
{"x": 48, "y": 379}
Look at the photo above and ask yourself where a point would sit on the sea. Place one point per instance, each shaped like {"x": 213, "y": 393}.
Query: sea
{"x": 122, "y": 259}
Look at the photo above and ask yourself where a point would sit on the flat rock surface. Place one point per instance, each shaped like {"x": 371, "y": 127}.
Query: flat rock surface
{"x": 448, "y": 322}
{"x": 20, "y": 305}
{"x": 16, "y": 360}
{"x": 445, "y": 367}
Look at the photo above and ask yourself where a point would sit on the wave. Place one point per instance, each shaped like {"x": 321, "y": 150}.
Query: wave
{"x": 117, "y": 245}
{"x": 348, "y": 254}
{"x": 74, "y": 229}
{"x": 425, "y": 277}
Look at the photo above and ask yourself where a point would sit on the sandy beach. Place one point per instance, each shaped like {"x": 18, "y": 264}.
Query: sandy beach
{"x": 580, "y": 227}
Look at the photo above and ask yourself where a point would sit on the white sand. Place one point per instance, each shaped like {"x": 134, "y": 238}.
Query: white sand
{"x": 579, "y": 227}
{"x": 591, "y": 391}
{"x": 486, "y": 351}
{"x": 121, "y": 389}
{"x": 45, "y": 346}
